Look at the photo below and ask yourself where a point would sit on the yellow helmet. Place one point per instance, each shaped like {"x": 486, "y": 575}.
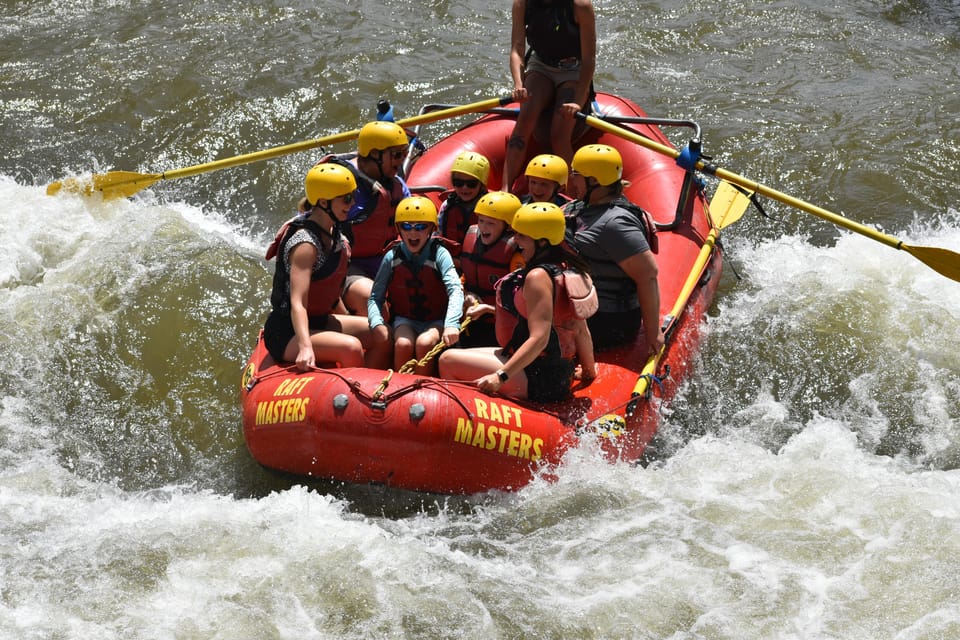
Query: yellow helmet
{"x": 472, "y": 164}
{"x": 498, "y": 204}
{"x": 540, "y": 220}
{"x": 599, "y": 161}
{"x": 327, "y": 181}
{"x": 548, "y": 167}
{"x": 380, "y": 135}
{"x": 416, "y": 209}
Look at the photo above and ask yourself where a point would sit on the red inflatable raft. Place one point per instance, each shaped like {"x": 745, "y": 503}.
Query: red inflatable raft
{"x": 428, "y": 434}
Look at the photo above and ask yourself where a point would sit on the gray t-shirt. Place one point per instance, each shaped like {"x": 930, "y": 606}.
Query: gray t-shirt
{"x": 606, "y": 235}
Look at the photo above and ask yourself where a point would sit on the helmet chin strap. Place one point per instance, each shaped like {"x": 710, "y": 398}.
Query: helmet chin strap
{"x": 590, "y": 189}
{"x": 328, "y": 209}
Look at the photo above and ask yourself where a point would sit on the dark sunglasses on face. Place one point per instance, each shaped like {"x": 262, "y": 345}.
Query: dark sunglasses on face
{"x": 414, "y": 226}
{"x": 347, "y": 198}
{"x": 469, "y": 183}
{"x": 398, "y": 155}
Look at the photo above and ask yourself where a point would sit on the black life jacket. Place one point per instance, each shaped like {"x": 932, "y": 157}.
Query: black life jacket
{"x": 552, "y": 31}
{"x": 511, "y": 318}
{"x": 325, "y": 282}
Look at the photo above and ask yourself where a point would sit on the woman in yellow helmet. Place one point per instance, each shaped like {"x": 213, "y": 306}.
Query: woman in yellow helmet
{"x": 540, "y": 335}
{"x": 312, "y": 257}
{"x": 617, "y": 238}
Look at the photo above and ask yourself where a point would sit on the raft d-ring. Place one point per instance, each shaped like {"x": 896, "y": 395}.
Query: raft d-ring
{"x": 249, "y": 378}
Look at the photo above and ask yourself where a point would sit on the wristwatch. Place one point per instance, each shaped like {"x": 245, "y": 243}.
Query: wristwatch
{"x": 502, "y": 375}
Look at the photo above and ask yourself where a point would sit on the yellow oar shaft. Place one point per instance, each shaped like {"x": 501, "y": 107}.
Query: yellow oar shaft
{"x": 739, "y": 180}
{"x": 696, "y": 272}
{"x": 126, "y": 183}
{"x": 346, "y": 136}
{"x": 943, "y": 261}
{"x": 726, "y": 207}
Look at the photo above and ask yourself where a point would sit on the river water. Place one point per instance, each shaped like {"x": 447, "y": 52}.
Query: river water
{"x": 805, "y": 483}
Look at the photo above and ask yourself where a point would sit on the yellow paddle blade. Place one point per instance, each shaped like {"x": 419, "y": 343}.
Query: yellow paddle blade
{"x": 943, "y": 261}
{"x": 116, "y": 184}
{"x": 728, "y": 205}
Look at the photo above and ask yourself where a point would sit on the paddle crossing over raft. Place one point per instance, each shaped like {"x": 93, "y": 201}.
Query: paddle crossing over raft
{"x": 428, "y": 434}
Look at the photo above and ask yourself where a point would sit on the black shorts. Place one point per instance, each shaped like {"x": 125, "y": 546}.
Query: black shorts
{"x": 549, "y": 379}
{"x": 479, "y": 333}
{"x": 278, "y": 331}
{"x": 614, "y": 329}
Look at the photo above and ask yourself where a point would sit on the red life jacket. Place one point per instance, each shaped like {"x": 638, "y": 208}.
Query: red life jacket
{"x": 372, "y": 228}
{"x": 456, "y": 216}
{"x": 325, "y": 282}
{"x": 511, "y": 313}
{"x": 417, "y": 292}
{"x": 482, "y": 265}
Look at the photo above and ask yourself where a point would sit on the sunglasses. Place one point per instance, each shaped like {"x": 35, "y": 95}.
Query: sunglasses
{"x": 469, "y": 184}
{"x": 347, "y": 198}
{"x": 398, "y": 155}
{"x": 414, "y": 226}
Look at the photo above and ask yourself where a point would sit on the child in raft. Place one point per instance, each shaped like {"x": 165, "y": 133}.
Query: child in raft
{"x": 486, "y": 256}
{"x": 468, "y": 174}
{"x": 420, "y": 282}
{"x": 546, "y": 177}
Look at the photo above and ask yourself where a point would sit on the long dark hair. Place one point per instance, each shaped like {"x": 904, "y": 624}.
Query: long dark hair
{"x": 559, "y": 254}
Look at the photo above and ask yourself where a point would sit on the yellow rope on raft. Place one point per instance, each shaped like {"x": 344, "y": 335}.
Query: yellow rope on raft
{"x": 411, "y": 365}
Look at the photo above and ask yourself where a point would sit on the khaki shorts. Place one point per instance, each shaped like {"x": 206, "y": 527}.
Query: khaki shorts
{"x": 558, "y": 75}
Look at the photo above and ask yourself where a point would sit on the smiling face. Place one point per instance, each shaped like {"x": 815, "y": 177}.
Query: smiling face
{"x": 541, "y": 190}
{"x": 466, "y": 186}
{"x": 415, "y": 234}
{"x": 340, "y": 206}
{"x": 489, "y": 229}
{"x": 526, "y": 245}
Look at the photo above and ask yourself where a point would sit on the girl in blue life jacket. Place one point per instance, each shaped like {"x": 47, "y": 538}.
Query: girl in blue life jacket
{"x": 312, "y": 256}
{"x": 420, "y": 282}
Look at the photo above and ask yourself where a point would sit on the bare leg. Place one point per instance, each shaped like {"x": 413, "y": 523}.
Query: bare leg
{"x": 426, "y": 341}
{"x": 561, "y": 128}
{"x": 541, "y": 97}
{"x": 403, "y": 345}
{"x": 356, "y": 295}
{"x": 330, "y": 346}
{"x": 471, "y": 364}
{"x": 377, "y": 353}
